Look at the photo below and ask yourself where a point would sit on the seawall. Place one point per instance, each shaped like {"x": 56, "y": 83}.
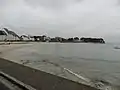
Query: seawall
{"x": 39, "y": 79}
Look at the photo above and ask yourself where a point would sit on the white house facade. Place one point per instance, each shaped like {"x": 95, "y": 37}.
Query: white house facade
{"x": 8, "y": 35}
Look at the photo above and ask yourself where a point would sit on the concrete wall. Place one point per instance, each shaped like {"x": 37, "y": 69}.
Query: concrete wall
{"x": 39, "y": 79}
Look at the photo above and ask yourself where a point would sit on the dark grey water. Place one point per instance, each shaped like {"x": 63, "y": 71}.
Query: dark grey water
{"x": 94, "y": 62}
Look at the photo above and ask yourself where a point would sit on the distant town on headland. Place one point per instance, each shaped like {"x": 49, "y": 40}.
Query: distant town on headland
{"x": 8, "y": 35}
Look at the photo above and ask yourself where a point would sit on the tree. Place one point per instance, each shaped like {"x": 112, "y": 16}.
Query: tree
{"x": 76, "y": 38}
{"x": 70, "y": 39}
{"x": 93, "y": 40}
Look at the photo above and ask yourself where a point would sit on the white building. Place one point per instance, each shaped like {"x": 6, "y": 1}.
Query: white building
{"x": 5, "y": 34}
{"x": 25, "y": 37}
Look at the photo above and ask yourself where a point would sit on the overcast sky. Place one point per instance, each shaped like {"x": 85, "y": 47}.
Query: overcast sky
{"x": 66, "y": 18}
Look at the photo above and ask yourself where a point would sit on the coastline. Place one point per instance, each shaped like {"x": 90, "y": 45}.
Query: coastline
{"x": 29, "y": 41}
{"x": 15, "y": 51}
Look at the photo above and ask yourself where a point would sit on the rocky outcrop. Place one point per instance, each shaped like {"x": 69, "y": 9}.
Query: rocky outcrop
{"x": 92, "y": 40}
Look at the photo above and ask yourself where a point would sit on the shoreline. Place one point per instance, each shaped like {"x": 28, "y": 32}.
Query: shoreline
{"x": 39, "y": 79}
{"x": 17, "y": 46}
{"x": 27, "y": 42}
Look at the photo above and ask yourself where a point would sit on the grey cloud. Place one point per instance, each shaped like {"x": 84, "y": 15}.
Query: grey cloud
{"x": 52, "y": 4}
{"x": 97, "y": 18}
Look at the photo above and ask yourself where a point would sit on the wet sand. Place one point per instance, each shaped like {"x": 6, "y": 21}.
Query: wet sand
{"x": 6, "y": 47}
{"x": 39, "y": 79}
